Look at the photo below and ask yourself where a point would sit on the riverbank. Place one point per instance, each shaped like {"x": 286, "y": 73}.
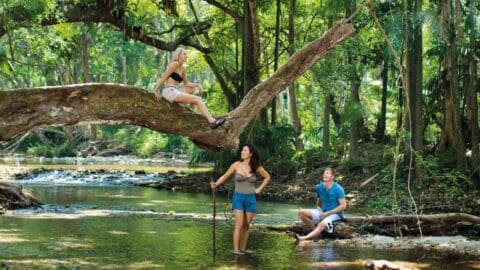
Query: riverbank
{"x": 294, "y": 189}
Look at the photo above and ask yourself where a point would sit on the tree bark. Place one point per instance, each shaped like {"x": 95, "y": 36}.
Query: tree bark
{"x": 251, "y": 47}
{"x": 452, "y": 137}
{"x": 471, "y": 90}
{"x": 297, "y": 125}
{"x": 437, "y": 224}
{"x": 400, "y": 102}
{"x": 355, "y": 127}
{"x": 414, "y": 69}
{"x": 326, "y": 125}
{"x": 275, "y": 59}
{"x": 449, "y": 217}
{"x": 22, "y": 110}
{"x": 380, "y": 132}
{"x": 86, "y": 72}
{"x": 336, "y": 117}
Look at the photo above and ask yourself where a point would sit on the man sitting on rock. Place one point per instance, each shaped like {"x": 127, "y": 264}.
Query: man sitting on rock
{"x": 330, "y": 206}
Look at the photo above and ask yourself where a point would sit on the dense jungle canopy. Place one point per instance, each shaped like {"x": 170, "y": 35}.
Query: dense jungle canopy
{"x": 397, "y": 90}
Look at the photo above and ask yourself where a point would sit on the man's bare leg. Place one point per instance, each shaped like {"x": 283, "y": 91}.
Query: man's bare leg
{"x": 313, "y": 235}
{"x": 305, "y": 216}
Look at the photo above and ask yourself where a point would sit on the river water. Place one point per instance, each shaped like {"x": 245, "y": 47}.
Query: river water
{"x": 103, "y": 222}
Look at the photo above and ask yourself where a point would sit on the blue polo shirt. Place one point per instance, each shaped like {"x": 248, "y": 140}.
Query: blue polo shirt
{"x": 330, "y": 197}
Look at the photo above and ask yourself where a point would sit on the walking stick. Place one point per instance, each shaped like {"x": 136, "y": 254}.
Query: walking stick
{"x": 214, "y": 216}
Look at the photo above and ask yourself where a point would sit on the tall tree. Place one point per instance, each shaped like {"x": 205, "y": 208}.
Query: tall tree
{"x": 451, "y": 137}
{"x": 86, "y": 69}
{"x": 471, "y": 87}
{"x": 354, "y": 79}
{"x": 326, "y": 124}
{"x": 414, "y": 70}
{"x": 380, "y": 131}
{"x": 275, "y": 60}
{"x": 297, "y": 125}
{"x": 251, "y": 47}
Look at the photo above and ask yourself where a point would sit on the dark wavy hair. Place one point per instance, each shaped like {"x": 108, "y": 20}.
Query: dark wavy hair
{"x": 255, "y": 161}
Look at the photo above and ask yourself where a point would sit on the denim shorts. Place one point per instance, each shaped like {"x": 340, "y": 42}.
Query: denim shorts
{"x": 244, "y": 202}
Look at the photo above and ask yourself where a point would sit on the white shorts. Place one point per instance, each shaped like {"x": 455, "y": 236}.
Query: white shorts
{"x": 328, "y": 220}
{"x": 170, "y": 93}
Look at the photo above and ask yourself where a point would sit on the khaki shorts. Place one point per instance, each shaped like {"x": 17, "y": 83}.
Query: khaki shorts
{"x": 170, "y": 93}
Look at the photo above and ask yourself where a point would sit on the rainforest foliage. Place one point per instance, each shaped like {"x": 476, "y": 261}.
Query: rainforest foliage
{"x": 398, "y": 98}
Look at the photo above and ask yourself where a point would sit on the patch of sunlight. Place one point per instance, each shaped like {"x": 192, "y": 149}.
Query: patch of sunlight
{"x": 147, "y": 204}
{"x": 473, "y": 264}
{"x": 235, "y": 267}
{"x": 118, "y": 232}
{"x": 9, "y": 230}
{"x": 104, "y": 213}
{"x": 342, "y": 264}
{"x": 122, "y": 196}
{"x": 158, "y": 201}
{"x": 173, "y": 202}
{"x": 11, "y": 238}
{"x": 145, "y": 264}
{"x": 48, "y": 263}
{"x": 151, "y": 232}
{"x": 68, "y": 242}
{"x": 75, "y": 215}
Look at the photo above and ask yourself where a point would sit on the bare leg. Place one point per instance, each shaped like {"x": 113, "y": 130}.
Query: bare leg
{"x": 305, "y": 216}
{"x": 315, "y": 234}
{"x": 239, "y": 220}
{"x": 245, "y": 230}
{"x": 192, "y": 99}
{"x": 189, "y": 89}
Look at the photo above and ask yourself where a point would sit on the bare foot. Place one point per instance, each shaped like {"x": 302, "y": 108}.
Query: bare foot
{"x": 237, "y": 252}
{"x": 298, "y": 238}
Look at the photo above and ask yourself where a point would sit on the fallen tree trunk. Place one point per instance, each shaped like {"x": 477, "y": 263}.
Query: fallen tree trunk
{"x": 449, "y": 217}
{"x": 24, "y": 109}
{"x": 340, "y": 231}
{"x": 437, "y": 224}
{"x": 12, "y": 197}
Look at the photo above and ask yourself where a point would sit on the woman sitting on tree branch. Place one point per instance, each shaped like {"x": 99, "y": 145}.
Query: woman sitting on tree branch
{"x": 173, "y": 76}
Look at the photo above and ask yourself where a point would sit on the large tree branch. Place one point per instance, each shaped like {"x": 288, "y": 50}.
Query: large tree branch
{"x": 22, "y": 110}
{"x": 299, "y": 62}
{"x": 228, "y": 11}
{"x": 106, "y": 13}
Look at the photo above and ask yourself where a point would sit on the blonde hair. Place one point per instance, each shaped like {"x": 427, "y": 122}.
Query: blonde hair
{"x": 176, "y": 53}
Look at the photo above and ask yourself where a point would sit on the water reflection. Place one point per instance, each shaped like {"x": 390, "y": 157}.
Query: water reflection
{"x": 129, "y": 227}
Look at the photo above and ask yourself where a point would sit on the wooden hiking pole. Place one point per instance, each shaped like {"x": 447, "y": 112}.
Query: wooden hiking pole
{"x": 213, "y": 221}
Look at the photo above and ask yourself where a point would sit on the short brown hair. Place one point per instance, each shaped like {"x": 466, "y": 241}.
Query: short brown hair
{"x": 332, "y": 170}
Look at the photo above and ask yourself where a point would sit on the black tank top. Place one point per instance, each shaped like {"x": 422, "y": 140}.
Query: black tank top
{"x": 176, "y": 77}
